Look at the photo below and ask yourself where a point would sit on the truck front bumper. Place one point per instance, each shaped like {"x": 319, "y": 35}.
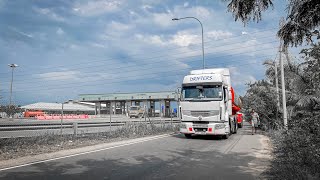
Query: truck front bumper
{"x": 208, "y": 129}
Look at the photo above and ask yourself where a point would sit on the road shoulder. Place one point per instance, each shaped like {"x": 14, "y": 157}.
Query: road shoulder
{"x": 256, "y": 147}
{"x": 29, "y": 160}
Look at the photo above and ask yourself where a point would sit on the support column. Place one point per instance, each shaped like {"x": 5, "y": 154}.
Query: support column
{"x": 162, "y": 108}
{"x": 145, "y": 106}
{"x": 113, "y": 106}
{"x": 98, "y": 108}
{"x": 167, "y": 108}
{"x": 128, "y": 104}
{"x": 108, "y": 106}
{"x": 95, "y": 109}
{"x": 123, "y": 107}
{"x": 152, "y": 108}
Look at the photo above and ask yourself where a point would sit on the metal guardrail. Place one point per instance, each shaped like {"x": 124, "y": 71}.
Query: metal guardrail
{"x": 75, "y": 125}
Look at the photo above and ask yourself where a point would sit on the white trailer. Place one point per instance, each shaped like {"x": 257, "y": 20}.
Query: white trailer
{"x": 206, "y": 103}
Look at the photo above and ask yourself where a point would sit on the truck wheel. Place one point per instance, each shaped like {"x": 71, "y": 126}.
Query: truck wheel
{"x": 225, "y": 136}
{"x": 231, "y": 128}
{"x": 235, "y": 128}
{"x": 240, "y": 125}
{"x": 188, "y": 136}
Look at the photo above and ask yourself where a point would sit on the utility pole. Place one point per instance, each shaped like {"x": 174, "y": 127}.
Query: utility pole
{"x": 277, "y": 84}
{"x": 12, "y": 67}
{"x": 284, "y": 104}
{"x": 61, "y": 120}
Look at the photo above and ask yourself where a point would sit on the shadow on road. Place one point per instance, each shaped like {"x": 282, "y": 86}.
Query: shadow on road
{"x": 187, "y": 164}
{"x": 181, "y": 136}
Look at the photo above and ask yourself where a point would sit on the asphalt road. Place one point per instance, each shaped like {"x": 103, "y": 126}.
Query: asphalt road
{"x": 242, "y": 156}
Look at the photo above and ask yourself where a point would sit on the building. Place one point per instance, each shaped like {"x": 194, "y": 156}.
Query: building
{"x": 68, "y": 107}
{"x": 119, "y": 103}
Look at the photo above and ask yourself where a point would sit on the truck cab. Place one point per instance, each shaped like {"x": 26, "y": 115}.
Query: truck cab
{"x": 206, "y": 103}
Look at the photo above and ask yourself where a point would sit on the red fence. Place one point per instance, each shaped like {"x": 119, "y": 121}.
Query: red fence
{"x": 59, "y": 116}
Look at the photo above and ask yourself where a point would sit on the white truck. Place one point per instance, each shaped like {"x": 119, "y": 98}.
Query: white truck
{"x": 206, "y": 103}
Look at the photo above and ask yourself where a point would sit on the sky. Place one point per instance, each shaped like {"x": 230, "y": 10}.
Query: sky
{"x": 66, "y": 48}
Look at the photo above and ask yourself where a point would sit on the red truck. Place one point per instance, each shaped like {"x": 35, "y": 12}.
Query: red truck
{"x": 236, "y": 107}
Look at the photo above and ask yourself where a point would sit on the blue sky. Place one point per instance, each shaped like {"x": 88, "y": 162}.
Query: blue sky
{"x": 65, "y": 48}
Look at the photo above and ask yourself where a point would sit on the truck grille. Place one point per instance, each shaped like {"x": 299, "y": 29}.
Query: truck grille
{"x": 201, "y": 113}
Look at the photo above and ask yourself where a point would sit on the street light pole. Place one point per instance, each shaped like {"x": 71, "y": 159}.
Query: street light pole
{"x": 176, "y": 19}
{"x": 12, "y": 66}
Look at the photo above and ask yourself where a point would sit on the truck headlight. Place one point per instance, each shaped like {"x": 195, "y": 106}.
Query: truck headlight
{"x": 220, "y": 126}
{"x": 183, "y": 125}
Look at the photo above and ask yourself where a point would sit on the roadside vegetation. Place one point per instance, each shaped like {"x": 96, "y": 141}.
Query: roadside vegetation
{"x": 18, "y": 147}
{"x": 9, "y": 110}
{"x": 296, "y": 150}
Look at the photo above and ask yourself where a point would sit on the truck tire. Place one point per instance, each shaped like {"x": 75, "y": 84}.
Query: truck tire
{"x": 225, "y": 136}
{"x": 231, "y": 127}
{"x": 188, "y": 136}
{"x": 240, "y": 125}
{"x": 235, "y": 128}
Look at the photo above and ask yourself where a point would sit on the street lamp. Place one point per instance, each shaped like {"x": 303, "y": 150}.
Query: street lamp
{"x": 12, "y": 66}
{"x": 176, "y": 19}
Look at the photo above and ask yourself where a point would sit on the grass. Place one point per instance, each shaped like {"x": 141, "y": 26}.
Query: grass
{"x": 24, "y": 146}
{"x": 294, "y": 156}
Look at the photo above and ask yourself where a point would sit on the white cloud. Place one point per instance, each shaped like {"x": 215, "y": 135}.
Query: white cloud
{"x": 48, "y": 12}
{"x": 117, "y": 26}
{"x": 151, "y": 39}
{"x": 146, "y": 7}
{"x": 98, "y": 45}
{"x": 186, "y": 4}
{"x": 196, "y": 11}
{"x": 218, "y": 34}
{"x": 60, "y": 31}
{"x": 163, "y": 19}
{"x": 184, "y": 38}
{"x": 94, "y": 8}
{"x": 239, "y": 77}
{"x": 60, "y": 75}
{"x": 2, "y": 4}
{"x": 21, "y": 33}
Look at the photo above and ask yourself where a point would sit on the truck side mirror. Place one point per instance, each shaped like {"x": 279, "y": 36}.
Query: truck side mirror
{"x": 226, "y": 95}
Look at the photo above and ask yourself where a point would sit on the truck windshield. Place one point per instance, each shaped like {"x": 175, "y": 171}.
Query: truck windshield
{"x": 205, "y": 92}
{"x": 133, "y": 108}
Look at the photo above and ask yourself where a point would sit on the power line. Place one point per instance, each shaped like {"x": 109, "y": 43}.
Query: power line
{"x": 156, "y": 58}
{"x": 164, "y": 51}
{"x": 143, "y": 75}
{"x": 149, "y": 68}
{"x": 156, "y": 62}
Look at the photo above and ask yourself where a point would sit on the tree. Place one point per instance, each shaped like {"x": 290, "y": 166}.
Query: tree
{"x": 302, "y": 21}
{"x": 262, "y": 97}
{"x": 10, "y": 110}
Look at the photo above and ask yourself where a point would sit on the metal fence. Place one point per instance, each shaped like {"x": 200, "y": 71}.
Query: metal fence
{"x": 60, "y": 122}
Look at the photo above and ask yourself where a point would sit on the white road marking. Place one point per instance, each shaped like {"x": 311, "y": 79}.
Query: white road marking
{"x": 88, "y": 152}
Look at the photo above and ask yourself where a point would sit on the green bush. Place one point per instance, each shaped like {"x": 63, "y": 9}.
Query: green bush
{"x": 297, "y": 151}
